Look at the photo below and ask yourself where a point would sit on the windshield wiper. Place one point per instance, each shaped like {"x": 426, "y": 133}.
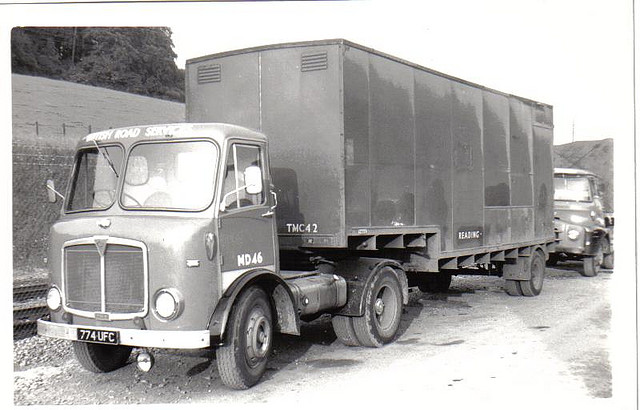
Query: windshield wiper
{"x": 106, "y": 156}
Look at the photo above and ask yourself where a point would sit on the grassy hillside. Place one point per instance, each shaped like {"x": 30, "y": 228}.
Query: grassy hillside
{"x": 52, "y": 103}
{"x": 595, "y": 156}
{"x": 43, "y": 146}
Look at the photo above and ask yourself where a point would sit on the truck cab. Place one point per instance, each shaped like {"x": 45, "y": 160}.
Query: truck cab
{"x": 584, "y": 231}
{"x": 166, "y": 239}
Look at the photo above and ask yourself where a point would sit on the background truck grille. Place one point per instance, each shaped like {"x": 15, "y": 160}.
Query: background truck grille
{"x": 124, "y": 278}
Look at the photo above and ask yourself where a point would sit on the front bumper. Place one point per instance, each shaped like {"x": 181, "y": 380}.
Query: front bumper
{"x": 585, "y": 244}
{"x": 174, "y": 339}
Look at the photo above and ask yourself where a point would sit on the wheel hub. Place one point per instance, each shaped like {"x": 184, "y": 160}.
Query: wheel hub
{"x": 258, "y": 338}
{"x": 379, "y": 306}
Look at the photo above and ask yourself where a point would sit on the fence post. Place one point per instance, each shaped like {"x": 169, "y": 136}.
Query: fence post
{"x": 64, "y": 130}
{"x": 37, "y": 129}
{"x": 89, "y": 128}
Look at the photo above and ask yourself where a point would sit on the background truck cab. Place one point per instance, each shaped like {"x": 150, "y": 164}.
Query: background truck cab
{"x": 585, "y": 231}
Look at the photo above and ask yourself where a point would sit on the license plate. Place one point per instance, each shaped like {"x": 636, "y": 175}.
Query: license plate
{"x": 110, "y": 337}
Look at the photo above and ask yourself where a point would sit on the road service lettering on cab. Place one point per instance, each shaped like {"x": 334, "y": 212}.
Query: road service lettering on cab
{"x": 250, "y": 259}
{"x": 124, "y": 133}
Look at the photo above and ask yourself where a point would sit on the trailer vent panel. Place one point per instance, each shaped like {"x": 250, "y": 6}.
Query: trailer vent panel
{"x": 209, "y": 74}
{"x": 314, "y": 61}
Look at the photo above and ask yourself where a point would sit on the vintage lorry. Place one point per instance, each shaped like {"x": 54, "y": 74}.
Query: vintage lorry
{"x": 377, "y": 176}
{"x": 585, "y": 231}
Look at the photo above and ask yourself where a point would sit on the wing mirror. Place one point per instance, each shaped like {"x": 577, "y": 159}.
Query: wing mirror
{"x": 252, "y": 185}
{"x": 253, "y": 180}
{"x": 52, "y": 194}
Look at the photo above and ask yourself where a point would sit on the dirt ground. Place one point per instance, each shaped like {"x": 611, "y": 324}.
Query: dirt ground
{"x": 473, "y": 345}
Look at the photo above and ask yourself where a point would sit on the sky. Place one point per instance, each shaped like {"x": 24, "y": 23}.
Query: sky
{"x": 574, "y": 55}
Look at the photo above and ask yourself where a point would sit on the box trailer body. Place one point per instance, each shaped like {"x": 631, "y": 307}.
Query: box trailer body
{"x": 310, "y": 178}
{"x": 368, "y": 151}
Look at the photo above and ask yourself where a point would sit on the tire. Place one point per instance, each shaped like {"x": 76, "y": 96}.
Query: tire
{"x": 512, "y": 287}
{"x": 242, "y": 360}
{"x": 553, "y": 259}
{"x": 99, "y": 358}
{"x": 382, "y": 311}
{"x": 533, "y": 286}
{"x": 607, "y": 260}
{"x": 435, "y": 283}
{"x": 343, "y": 327}
{"x": 591, "y": 265}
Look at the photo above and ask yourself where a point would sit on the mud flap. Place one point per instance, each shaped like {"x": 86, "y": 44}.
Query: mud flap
{"x": 519, "y": 269}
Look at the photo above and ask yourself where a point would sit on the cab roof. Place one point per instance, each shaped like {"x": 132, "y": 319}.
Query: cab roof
{"x": 130, "y": 135}
{"x": 572, "y": 171}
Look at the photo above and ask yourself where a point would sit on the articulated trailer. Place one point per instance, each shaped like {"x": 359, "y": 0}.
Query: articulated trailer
{"x": 375, "y": 175}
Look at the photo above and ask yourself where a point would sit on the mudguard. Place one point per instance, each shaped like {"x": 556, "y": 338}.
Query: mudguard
{"x": 284, "y": 304}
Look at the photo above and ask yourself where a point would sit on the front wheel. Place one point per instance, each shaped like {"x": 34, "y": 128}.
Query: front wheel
{"x": 607, "y": 259}
{"x": 591, "y": 265}
{"x": 99, "y": 358}
{"x": 383, "y": 310}
{"x": 242, "y": 360}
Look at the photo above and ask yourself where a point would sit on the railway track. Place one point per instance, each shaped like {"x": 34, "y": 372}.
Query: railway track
{"x": 29, "y": 305}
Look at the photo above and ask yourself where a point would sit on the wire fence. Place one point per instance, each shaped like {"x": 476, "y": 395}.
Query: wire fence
{"x": 29, "y": 305}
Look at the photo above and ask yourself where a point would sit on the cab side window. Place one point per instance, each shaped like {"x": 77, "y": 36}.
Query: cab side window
{"x": 241, "y": 157}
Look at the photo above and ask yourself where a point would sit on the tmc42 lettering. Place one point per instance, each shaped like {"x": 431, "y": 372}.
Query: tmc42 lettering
{"x": 248, "y": 259}
{"x": 302, "y": 228}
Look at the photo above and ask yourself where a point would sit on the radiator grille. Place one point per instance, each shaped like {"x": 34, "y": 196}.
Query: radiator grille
{"x": 124, "y": 279}
{"x": 209, "y": 74}
{"x": 314, "y": 62}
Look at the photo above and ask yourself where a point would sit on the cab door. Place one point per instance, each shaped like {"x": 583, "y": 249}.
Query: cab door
{"x": 247, "y": 226}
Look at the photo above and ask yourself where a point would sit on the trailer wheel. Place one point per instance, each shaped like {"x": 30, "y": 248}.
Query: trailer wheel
{"x": 591, "y": 265}
{"x": 382, "y": 312}
{"x": 435, "y": 283}
{"x": 607, "y": 260}
{"x": 242, "y": 360}
{"x": 343, "y": 327}
{"x": 512, "y": 287}
{"x": 533, "y": 286}
{"x": 99, "y": 358}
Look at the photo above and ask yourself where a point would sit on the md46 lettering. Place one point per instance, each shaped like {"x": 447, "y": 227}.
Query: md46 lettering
{"x": 248, "y": 259}
{"x": 302, "y": 228}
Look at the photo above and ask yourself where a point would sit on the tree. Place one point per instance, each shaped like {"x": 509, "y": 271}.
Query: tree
{"x": 140, "y": 60}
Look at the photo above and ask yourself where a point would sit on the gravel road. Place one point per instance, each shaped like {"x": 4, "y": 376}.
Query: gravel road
{"x": 474, "y": 344}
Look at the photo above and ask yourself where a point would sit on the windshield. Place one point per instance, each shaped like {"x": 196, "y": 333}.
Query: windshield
{"x": 569, "y": 188}
{"x": 95, "y": 178}
{"x": 170, "y": 175}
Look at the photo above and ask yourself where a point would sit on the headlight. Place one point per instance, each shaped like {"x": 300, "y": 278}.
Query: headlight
{"x": 573, "y": 234}
{"x": 168, "y": 304}
{"x": 54, "y": 299}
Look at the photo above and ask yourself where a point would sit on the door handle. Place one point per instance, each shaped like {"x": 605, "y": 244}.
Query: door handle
{"x": 271, "y": 210}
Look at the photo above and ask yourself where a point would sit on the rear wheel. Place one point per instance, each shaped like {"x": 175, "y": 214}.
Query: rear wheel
{"x": 512, "y": 287}
{"x": 383, "y": 310}
{"x": 242, "y": 360}
{"x": 99, "y": 358}
{"x": 533, "y": 286}
{"x": 343, "y": 327}
{"x": 435, "y": 282}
